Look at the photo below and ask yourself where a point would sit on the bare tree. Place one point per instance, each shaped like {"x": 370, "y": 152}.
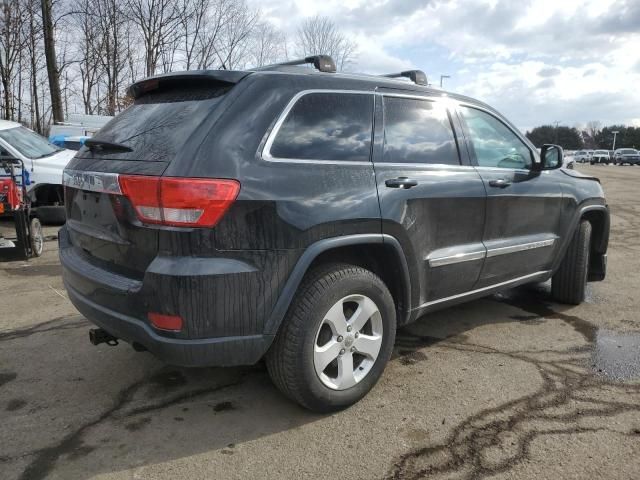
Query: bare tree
{"x": 158, "y": 21}
{"x": 235, "y": 34}
{"x": 50, "y": 56}
{"x": 11, "y": 43}
{"x": 215, "y": 17}
{"x": 268, "y": 45}
{"x": 593, "y": 128}
{"x": 320, "y": 35}
{"x": 113, "y": 28}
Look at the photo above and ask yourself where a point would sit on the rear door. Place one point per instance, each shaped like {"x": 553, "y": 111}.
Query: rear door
{"x": 430, "y": 201}
{"x": 523, "y": 206}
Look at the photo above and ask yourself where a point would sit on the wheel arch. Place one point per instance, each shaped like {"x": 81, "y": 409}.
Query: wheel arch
{"x": 46, "y": 194}
{"x": 598, "y": 216}
{"x": 380, "y": 253}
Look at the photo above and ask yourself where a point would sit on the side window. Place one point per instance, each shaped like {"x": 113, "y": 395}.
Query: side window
{"x": 494, "y": 143}
{"x": 418, "y": 131}
{"x": 327, "y": 126}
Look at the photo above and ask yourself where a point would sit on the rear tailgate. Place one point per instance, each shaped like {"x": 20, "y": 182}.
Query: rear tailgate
{"x": 166, "y": 121}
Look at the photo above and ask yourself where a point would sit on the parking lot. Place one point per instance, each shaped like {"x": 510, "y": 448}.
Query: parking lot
{"x": 511, "y": 386}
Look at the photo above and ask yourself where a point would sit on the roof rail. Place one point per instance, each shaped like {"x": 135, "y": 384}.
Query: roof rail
{"x": 323, "y": 63}
{"x": 416, "y": 76}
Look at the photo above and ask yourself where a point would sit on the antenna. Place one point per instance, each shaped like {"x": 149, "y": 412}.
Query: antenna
{"x": 416, "y": 76}
{"x": 323, "y": 63}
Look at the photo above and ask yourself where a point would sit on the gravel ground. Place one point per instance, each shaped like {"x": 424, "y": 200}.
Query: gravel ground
{"x": 511, "y": 386}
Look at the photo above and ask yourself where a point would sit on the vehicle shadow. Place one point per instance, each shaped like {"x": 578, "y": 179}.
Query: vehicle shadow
{"x": 125, "y": 410}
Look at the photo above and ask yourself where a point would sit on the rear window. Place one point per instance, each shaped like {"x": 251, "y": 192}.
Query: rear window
{"x": 326, "y": 126}
{"x": 158, "y": 124}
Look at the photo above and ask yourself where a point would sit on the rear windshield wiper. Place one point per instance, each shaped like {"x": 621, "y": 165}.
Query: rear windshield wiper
{"x": 95, "y": 144}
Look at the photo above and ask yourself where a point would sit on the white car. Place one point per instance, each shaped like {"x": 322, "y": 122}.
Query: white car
{"x": 600, "y": 156}
{"x": 44, "y": 161}
{"x": 581, "y": 156}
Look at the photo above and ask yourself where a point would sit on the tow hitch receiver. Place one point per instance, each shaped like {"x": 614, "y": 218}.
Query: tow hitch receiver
{"x": 98, "y": 336}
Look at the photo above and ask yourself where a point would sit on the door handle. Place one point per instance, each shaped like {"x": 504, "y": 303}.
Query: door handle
{"x": 401, "y": 182}
{"x": 500, "y": 183}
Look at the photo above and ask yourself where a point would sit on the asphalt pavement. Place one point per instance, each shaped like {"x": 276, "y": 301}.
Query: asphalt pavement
{"x": 510, "y": 386}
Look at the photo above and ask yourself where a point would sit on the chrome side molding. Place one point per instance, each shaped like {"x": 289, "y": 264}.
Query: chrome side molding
{"x": 468, "y": 253}
{"x": 494, "y": 252}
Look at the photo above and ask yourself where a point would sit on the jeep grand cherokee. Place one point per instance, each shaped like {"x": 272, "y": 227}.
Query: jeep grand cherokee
{"x": 302, "y": 216}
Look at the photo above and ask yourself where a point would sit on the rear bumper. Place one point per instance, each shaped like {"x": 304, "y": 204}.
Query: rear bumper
{"x": 119, "y": 305}
{"x": 204, "y": 352}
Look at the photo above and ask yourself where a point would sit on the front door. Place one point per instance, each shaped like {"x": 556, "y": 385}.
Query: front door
{"x": 523, "y": 206}
{"x": 430, "y": 201}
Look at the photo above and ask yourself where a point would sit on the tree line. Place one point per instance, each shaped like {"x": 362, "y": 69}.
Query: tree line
{"x": 78, "y": 56}
{"x": 593, "y": 136}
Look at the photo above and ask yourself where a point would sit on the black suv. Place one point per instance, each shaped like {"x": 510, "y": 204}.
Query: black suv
{"x": 303, "y": 216}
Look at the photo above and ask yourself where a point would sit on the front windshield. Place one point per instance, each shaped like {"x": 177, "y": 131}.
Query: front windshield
{"x": 602, "y": 152}
{"x": 28, "y": 142}
{"x": 627, "y": 151}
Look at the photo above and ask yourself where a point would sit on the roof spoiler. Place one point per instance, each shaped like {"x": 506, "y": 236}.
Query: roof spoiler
{"x": 416, "y": 76}
{"x": 322, "y": 63}
{"x": 149, "y": 84}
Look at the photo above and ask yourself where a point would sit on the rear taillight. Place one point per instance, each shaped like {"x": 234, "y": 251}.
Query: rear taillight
{"x": 179, "y": 202}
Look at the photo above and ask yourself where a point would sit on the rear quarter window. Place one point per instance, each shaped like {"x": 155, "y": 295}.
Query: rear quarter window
{"x": 418, "y": 131}
{"x": 326, "y": 126}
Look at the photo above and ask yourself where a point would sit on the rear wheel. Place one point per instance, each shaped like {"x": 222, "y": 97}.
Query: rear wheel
{"x": 336, "y": 339}
{"x": 569, "y": 283}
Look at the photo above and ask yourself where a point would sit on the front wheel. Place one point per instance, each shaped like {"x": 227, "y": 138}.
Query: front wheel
{"x": 336, "y": 339}
{"x": 569, "y": 283}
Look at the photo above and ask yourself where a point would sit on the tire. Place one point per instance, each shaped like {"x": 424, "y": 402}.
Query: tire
{"x": 36, "y": 240}
{"x": 569, "y": 283}
{"x": 293, "y": 357}
{"x": 51, "y": 215}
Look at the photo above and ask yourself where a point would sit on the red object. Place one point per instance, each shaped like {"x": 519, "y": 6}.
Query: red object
{"x": 165, "y": 322}
{"x": 11, "y": 192}
{"x": 179, "y": 202}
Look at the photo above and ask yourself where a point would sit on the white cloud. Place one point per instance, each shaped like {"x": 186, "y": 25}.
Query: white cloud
{"x": 538, "y": 61}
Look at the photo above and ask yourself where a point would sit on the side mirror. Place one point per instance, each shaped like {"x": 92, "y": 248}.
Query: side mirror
{"x": 551, "y": 157}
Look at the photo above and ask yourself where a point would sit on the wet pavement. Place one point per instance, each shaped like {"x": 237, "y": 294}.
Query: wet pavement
{"x": 510, "y": 386}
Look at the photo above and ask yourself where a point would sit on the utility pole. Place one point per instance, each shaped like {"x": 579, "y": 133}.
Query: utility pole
{"x": 442, "y": 77}
{"x": 615, "y": 134}
{"x": 555, "y": 131}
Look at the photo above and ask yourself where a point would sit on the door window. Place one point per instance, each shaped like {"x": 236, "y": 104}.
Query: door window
{"x": 418, "y": 131}
{"x": 327, "y": 126}
{"x": 494, "y": 143}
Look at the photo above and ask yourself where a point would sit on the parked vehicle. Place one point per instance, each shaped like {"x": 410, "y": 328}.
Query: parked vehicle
{"x": 600, "y": 156}
{"x": 303, "y": 216}
{"x": 581, "y": 156}
{"x": 78, "y": 125}
{"x": 626, "y": 155}
{"x": 44, "y": 161}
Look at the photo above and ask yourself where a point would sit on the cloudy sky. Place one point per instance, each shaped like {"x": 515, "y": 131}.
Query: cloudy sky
{"x": 537, "y": 61}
